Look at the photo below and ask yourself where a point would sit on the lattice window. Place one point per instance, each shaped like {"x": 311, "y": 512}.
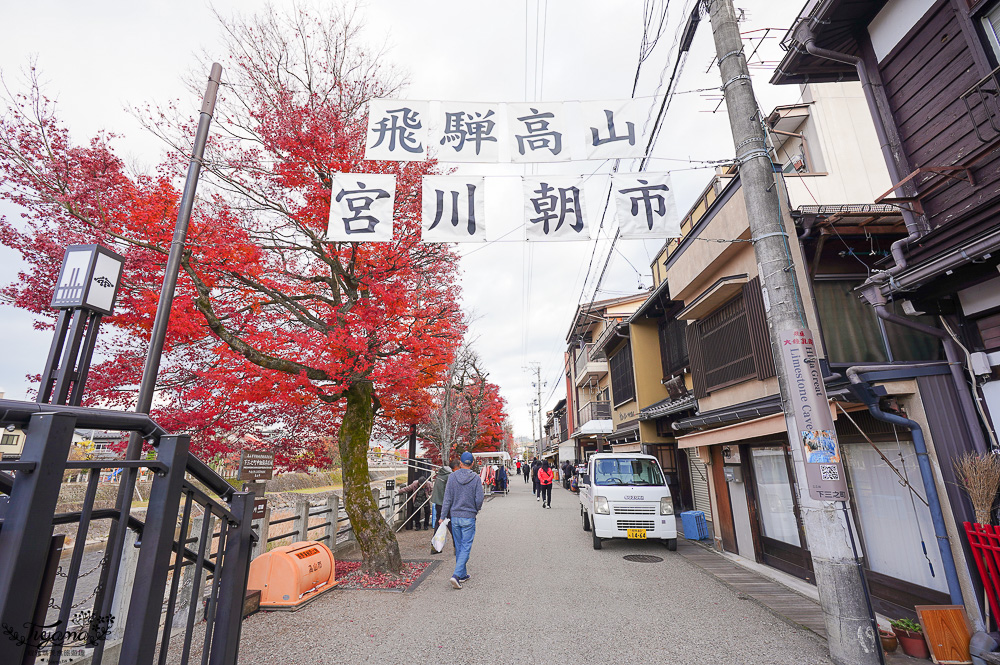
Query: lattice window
{"x": 622, "y": 377}
{"x": 725, "y": 343}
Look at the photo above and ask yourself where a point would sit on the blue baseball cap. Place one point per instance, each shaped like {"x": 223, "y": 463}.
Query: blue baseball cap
{"x": 467, "y": 458}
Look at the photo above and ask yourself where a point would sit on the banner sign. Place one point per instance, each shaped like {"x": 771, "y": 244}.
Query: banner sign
{"x": 645, "y": 205}
{"x": 554, "y": 209}
{"x": 361, "y": 206}
{"x": 467, "y": 132}
{"x": 403, "y": 130}
{"x": 813, "y": 421}
{"x": 397, "y": 130}
{"x": 614, "y": 129}
{"x": 453, "y": 209}
{"x": 256, "y": 465}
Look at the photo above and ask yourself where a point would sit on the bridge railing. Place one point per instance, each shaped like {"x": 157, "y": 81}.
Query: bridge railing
{"x": 160, "y": 577}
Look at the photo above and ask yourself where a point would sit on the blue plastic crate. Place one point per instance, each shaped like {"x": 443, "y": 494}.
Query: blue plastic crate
{"x": 695, "y": 526}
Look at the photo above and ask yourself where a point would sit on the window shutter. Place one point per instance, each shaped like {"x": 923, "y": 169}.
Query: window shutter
{"x": 697, "y": 366}
{"x": 760, "y": 339}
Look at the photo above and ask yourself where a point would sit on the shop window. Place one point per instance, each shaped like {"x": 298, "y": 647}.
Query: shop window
{"x": 9, "y": 439}
{"x": 622, "y": 378}
{"x": 853, "y": 333}
{"x": 896, "y": 527}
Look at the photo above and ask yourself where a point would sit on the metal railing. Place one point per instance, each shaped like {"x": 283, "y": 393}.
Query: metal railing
{"x": 987, "y": 91}
{"x": 595, "y": 411}
{"x": 178, "y": 553}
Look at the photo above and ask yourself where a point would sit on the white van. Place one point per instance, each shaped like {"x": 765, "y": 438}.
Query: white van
{"x": 625, "y": 495}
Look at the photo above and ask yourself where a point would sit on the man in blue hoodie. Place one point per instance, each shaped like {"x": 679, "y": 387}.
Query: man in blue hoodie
{"x": 463, "y": 499}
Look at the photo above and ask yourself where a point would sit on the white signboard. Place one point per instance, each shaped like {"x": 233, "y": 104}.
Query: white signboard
{"x": 538, "y": 132}
{"x": 554, "y": 208}
{"x": 453, "y": 209}
{"x": 104, "y": 283}
{"x": 397, "y": 130}
{"x": 614, "y": 129}
{"x": 466, "y": 132}
{"x": 361, "y": 206}
{"x": 645, "y": 205}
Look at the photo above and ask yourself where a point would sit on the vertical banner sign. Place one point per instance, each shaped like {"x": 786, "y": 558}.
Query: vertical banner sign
{"x": 554, "y": 209}
{"x": 361, "y": 207}
{"x": 613, "y": 129}
{"x": 538, "y": 132}
{"x": 467, "y": 132}
{"x": 397, "y": 130}
{"x": 453, "y": 209}
{"x": 645, "y": 205}
{"x": 813, "y": 421}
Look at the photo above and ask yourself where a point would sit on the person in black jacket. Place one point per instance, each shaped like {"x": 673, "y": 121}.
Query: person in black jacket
{"x": 536, "y": 489}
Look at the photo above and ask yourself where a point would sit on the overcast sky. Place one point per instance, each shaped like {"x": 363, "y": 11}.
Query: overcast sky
{"x": 101, "y": 57}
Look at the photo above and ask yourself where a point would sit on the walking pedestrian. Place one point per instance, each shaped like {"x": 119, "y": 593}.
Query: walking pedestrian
{"x": 525, "y": 471}
{"x": 437, "y": 494}
{"x": 545, "y": 475}
{"x": 463, "y": 499}
{"x": 535, "y": 466}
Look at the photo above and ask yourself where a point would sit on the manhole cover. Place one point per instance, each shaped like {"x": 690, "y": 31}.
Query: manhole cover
{"x": 643, "y": 558}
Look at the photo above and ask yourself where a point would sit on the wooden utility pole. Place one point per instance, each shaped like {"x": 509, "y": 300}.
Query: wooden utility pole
{"x": 823, "y": 494}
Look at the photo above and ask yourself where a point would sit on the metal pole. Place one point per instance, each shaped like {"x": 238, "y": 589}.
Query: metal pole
{"x": 851, "y": 638}
{"x": 147, "y": 386}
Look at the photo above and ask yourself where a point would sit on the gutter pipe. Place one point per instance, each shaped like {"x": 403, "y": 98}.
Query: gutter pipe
{"x": 868, "y": 396}
{"x": 951, "y": 352}
{"x": 808, "y": 40}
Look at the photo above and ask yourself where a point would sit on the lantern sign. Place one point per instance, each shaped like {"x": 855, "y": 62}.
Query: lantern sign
{"x": 88, "y": 279}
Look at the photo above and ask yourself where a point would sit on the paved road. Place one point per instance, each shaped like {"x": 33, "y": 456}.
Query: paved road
{"x": 539, "y": 594}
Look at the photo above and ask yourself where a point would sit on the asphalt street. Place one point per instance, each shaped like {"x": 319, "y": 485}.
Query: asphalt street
{"x": 539, "y": 593}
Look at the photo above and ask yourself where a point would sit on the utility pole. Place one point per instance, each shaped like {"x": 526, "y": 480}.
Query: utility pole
{"x": 849, "y": 621}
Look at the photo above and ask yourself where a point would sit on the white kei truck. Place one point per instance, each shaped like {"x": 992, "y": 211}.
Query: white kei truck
{"x": 625, "y": 495}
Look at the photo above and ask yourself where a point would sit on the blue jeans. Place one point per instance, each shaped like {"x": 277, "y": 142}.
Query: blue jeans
{"x": 434, "y": 516}
{"x": 463, "y": 530}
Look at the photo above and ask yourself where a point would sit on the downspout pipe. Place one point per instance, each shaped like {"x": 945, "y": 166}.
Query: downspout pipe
{"x": 808, "y": 40}
{"x": 863, "y": 390}
{"x": 951, "y": 352}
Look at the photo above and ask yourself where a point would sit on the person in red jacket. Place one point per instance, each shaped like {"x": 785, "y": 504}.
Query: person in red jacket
{"x": 545, "y": 484}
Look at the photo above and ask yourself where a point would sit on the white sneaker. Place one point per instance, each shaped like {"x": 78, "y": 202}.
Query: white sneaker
{"x": 538, "y": 498}
{"x": 455, "y": 583}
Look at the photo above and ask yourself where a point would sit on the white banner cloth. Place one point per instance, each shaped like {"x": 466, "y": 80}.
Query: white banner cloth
{"x": 361, "y": 206}
{"x": 453, "y": 209}
{"x": 466, "y": 132}
{"x": 397, "y": 130}
{"x": 614, "y": 129}
{"x": 554, "y": 208}
{"x": 645, "y": 205}
{"x": 539, "y": 132}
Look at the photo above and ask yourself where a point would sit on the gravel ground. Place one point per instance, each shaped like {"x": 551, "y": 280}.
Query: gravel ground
{"x": 539, "y": 593}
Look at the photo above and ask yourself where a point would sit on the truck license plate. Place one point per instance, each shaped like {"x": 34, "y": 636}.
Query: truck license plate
{"x": 639, "y": 534}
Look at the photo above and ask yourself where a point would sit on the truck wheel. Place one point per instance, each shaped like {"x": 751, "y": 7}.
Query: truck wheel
{"x": 597, "y": 541}
{"x": 586, "y": 522}
{"x": 671, "y": 544}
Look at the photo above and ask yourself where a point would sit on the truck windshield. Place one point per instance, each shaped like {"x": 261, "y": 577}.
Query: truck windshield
{"x": 624, "y": 471}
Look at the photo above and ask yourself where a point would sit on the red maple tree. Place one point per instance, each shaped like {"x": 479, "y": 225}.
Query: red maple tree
{"x": 271, "y": 324}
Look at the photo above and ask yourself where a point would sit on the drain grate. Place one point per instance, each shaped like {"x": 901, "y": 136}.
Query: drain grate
{"x": 643, "y": 558}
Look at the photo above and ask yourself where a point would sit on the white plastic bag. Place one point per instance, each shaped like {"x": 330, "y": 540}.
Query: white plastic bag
{"x": 440, "y": 536}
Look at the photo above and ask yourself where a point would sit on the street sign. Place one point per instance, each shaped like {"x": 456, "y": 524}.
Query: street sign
{"x": 259, "y": 506}
{"x": 256, "y": 466}
{"x": 813, "y": 421}
{"x": 390, "y": 484}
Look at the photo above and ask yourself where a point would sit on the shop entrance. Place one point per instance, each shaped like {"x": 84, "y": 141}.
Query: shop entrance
{"x": 775, "y": 518}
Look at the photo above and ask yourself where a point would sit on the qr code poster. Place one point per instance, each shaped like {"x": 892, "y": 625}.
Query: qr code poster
{"x": 829, "y": 471}
{"x": 820, "y": 446}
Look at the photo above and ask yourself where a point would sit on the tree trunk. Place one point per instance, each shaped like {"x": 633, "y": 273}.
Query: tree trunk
{"x": 379, "y": 549}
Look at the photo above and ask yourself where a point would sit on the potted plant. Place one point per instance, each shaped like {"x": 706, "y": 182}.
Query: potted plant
{"x": 911, "y": 637}
{"x": 888, "y": 640}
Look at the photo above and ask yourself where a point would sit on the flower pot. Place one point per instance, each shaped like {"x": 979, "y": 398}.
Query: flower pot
{"x": 889, "y": 641}
{"x": 912, "y": 644}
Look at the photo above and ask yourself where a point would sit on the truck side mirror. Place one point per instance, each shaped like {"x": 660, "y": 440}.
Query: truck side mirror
{"x": 585, "y": 478}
